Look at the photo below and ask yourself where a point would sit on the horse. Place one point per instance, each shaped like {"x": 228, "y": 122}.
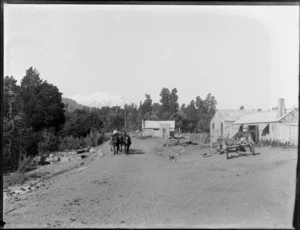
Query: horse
{"x": 121, "y": 142}
{"x": 115, "y": 142}
{"x": 127, "y": 143}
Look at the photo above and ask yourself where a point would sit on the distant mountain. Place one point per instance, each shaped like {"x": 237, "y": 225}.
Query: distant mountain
{"x": 99, "y": 100}
{"x": 72, "y": 105}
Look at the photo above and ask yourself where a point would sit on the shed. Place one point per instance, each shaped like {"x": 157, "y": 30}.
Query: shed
{"x": 162, "y": 129}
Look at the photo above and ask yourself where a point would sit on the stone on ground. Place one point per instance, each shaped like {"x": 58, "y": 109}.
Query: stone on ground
{"x": 65, "y": 159}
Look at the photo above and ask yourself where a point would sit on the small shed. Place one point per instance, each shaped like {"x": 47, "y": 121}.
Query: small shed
{"x": 163, "y": 129}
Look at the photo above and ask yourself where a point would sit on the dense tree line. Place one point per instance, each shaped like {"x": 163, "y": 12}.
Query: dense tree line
{"x": 36, "y": 121}
{"x": 33, "y": 114}
{"x": 194, "y": 117}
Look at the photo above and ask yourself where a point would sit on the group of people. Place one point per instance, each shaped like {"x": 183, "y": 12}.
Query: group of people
{"x": 118, "y": 140}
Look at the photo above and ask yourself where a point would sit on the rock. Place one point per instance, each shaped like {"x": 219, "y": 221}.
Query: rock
{"x": 27, "y": 187}
{"x": 55, "y": 159}
{"x": 83, "y": 156}
{"x": 37, "y": 159}
{"x": 78, "y": 158}
{"x": 92, "y": 150}
{"x": 100, "y": 154}
{"x": 42, "y": 184}
{"x": 65, "y": 159}
{"x": 42, "y": 158}
{"x": 82, "y": 168}
{"x": 48, "y": 159}
{"x": 51, "y": 155}
{"x": 19, "y": 192}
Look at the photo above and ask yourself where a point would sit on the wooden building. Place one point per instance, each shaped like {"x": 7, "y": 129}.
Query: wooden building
{"x": 280, "y": 124}
{"x": 163, "y": 129}
{"x": 222, "y": 123}
{"x": 275, "y": 125}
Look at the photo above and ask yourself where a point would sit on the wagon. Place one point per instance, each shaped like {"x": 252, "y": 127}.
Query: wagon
{"x": 230, "y": 145}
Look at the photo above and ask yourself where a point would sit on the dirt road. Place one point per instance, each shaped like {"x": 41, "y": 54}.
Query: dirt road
{"x": 147, "y": 189}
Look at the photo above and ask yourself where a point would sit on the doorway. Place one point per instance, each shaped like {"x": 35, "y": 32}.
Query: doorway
{"x": 253, "y": 130}
{"x": 164, "y": 133}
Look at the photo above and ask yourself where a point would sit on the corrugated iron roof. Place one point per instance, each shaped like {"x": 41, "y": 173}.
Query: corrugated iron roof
{"x": 234, "y": 114}
{"x": 293, "y": 124}
{"x": 155, "y": 124}
{"x": 261, "y": 117}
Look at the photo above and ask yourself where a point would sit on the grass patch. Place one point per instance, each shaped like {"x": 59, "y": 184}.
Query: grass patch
{"x": 20, "y": 178}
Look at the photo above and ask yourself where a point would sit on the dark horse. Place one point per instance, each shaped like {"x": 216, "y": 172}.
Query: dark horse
{"x": 127, "y": 143}
{"x": 115, "y": 142}
{"x": 121, "y": 137}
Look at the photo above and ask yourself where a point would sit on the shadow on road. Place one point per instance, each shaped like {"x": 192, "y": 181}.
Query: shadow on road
{"x": 135, "y": 151}
{"x": 242, "y": 155}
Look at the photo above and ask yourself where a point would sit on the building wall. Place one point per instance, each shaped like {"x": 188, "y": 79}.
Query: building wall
{"x": 282, "y": 132}
{"x": 230, "y": 129}
{"x": 157, "y": 133}
{"x": 148, "y": 132}
{"x": 294, "y": 134}
{"x": 155, "y": 124}
{"x": 151, "y": 132}
{"x": 292, "y": 117}
{"x": 215, "y": 131}
{"x": 164, "y": 131}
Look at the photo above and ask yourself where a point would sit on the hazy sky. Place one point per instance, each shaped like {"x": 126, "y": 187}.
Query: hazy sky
{"x": 243, "y": 55}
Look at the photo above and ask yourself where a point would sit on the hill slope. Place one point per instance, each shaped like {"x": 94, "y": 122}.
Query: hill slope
{"x": 72, "y": 104}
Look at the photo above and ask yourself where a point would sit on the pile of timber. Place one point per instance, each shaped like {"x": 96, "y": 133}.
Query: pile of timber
{"x": 174, "y": 142}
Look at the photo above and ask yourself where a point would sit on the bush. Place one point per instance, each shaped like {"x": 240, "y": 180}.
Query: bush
{"x": 25, "y": 164}
{"x": 68, "y": 143}
{"x": 49, "y": 142}
{"x": 93, "y": 139}
{"x": 276, "y": 143}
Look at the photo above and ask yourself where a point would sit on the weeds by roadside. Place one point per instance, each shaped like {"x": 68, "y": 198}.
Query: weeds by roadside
{"x": 20, "y": 178}
{"x": 275, "y": 143}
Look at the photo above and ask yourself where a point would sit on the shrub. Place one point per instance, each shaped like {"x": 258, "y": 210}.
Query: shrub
{"x": 276, "y": 143}
{"x": 49, "y": 142}
{"x": 24, "y": 164}
{"x": 93, "y": 139}
{"x": 69, "y": 143}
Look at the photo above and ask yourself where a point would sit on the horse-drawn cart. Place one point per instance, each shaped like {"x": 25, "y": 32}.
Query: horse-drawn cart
{"x": 225, "y": 145}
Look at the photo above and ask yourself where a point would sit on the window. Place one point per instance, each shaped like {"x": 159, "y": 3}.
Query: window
{"x": 266, "y": 130}
{"x": 241, "y": 128}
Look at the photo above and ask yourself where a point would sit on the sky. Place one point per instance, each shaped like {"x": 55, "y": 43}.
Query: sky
{"x": 242, "y": 55}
